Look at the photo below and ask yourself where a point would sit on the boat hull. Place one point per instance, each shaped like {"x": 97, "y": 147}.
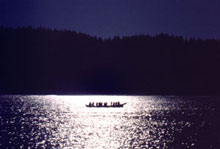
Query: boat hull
{"x": 118, "y": 106}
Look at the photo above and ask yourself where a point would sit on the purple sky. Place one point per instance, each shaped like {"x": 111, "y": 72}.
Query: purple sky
{"x": 106, "y": 18}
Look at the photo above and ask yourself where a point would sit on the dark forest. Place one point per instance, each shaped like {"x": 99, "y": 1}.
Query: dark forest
{"x": 46, "y": 61}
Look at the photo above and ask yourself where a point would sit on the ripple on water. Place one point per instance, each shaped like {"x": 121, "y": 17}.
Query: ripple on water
{"x": 145, "y": 122}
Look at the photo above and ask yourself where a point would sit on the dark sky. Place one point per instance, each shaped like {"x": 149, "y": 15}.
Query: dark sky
{"x": 196, "y": 18}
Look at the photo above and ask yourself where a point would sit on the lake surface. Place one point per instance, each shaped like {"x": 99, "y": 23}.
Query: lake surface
{"x": 144, "y": 122}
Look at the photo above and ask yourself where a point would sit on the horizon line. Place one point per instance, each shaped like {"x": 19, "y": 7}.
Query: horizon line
{"x": 110, "y": 37}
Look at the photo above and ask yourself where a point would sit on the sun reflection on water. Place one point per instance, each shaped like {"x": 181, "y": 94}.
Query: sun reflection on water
{"x": 65, "y": 122}
{"x": 102, "y": 127}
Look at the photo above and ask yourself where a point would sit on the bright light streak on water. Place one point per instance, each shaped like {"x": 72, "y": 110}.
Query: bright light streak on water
{"x": 144, "y": 122}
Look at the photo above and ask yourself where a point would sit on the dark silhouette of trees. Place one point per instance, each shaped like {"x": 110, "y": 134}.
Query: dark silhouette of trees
{"x": 44, "y": 61}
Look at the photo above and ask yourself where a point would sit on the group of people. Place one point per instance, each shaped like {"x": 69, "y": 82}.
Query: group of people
{"x": 104, "y": 104}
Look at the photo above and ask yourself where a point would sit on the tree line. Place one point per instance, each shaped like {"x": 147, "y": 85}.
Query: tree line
{"x": 46, "y": 61}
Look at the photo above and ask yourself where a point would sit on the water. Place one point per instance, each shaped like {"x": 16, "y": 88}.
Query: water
{"x": 144, "y": 122}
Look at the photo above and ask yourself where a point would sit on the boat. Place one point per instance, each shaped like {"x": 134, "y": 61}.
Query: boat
{"x": 105, "y": 105}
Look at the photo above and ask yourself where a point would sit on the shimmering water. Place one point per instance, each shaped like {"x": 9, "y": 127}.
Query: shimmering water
{"x": 144, "y": 122}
